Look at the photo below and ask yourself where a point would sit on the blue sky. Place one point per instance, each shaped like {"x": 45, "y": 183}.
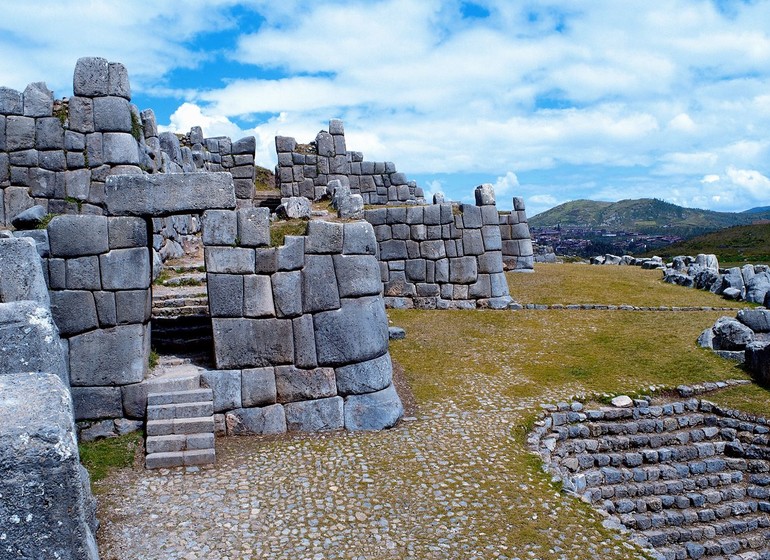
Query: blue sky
{"x": 552, "y": 101}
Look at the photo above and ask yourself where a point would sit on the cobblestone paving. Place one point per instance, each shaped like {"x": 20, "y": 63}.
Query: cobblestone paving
{"x": 454, "y": 481}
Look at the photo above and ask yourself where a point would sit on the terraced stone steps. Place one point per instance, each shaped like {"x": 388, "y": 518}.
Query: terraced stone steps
{"x": 180, "y": 429}
{"x": 689, "y": 479}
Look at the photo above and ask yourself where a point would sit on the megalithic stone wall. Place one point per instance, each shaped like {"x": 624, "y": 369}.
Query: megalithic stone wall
{"x": 442, "y": 256}
{"x": 300, "y": 331}
{"x": 518, "y": 254}
{"x": 305, "y": 170}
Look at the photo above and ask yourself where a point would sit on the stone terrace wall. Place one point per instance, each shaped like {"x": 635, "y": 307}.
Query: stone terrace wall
{"x": 305, "y": 171}
{"x": 441, "y": 256}
{"x": 518, "y": 254}
{"x": 300, "y": 331}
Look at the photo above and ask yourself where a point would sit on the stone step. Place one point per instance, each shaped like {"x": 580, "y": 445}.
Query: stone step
{"x": 182, "y": 410}
{"x": 180, "y": 458}
{"x": 734, "y": 536}
{"x": 182, "y": 311}
{"x": 654, "y": 440}
{"x": 185, "y": 426}
{"x": 180, "y": 397}
{"x": 679, "y": 501}
{"x": 179, "y": 442}
{"x": 748, "y": 546}
{"x": 605, "y": 476}
{"x": 135, "y": 396}
{"x": 714, "y": 513}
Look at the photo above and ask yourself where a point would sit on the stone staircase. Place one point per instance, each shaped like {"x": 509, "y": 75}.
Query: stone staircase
{"x": 180, "y": 428}
{"x": 689, "y": 479}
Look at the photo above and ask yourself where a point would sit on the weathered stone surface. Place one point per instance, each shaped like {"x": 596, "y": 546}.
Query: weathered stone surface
{"x": 29, "y": 218}
{"x": 22, "y": 273}
{"x": 365, "y": 377}
{"x": 107, "y": 357}
{"x": 359, "y": 239}
{"x": 730, "y": 334}
{"x": 462, "y": 270}
{"x": 230, "y": 260}
{"x": 91, "y": 77}
{"x": 373, "y": 411}
{"x": 315, "y": 416}
{"x": 707, "y": 261}
{"x": 324, "y": 237}
{"x": 757, "y": 287}
{"x": 10, "y": 102}
{"x": 19, "y": 133}
{"x": 356, "y": 332}
{"x": 295, "y": 384}
{"x": 263, "y": 421}
{"x": 258, "y": 387}
{"x": 357, "y": 275}
{"x": 485, "y": 194}
{"x": 291, "y": 255}
{"x": 219, "y": 227}
{"x": 758, "y": 320}
{"x": 319, "y": 287}
{"x": 112, "y": 114}
{"x": 126, "y": 269}
{"x": 47, "y": 507}
{"x": 304, "y": 342}
{"x": 127, "y": 232}
{"x": 257, "y": 296}
{"x": 74, "y": 311}
{"x": 294, "y": 207}
{"x": 225, "y": 293}
{"x": 226, "y": 386}
{"x": 30, "y": 340}
{"x": 120, "y": 148}
{"x": 167, "y": 193}
{"x": 78, "y": 235}
{"x": 117, "y": 80}
{"x": 133, "y": 306}
{"x": 246, "y": 343}
{"x": 253, "y": 227}
{"x": 82, "y": 273}
{"x": 94, "y": 403}
{"x": 38, "y": 100}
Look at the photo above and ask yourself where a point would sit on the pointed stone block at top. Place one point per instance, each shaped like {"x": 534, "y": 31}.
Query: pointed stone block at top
{"x": 38, "y": 100}
{"x": 92, "y": 77}
{"x": 485, "y": 195}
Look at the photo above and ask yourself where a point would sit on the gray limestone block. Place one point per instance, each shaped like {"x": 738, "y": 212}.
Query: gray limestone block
{"x": 336, "y": 127}
{"x": 318, "y": 292}
{"x": 133, "y": 306}
{"x": 490, "y": 216}
{"x": 91, "y": 77}
{"x": 357, "y": 275}
{"x": 415, "y": 215}
{"x": 40, "y": 239}
{"x": 95, "y": 403}
{"x": 220, "y": 227}
{"x": 376, "y": 216}
{"x": 226, "y": 386}
{"x": 758, "y": 320}
{"x": 485, "y": 195}
{"x": 393, "y": 250}
{"x": 245, "y": 343}
{"x": 473, "y": 242}
{"x": 520, "y": 231}
{"x": 481, "y": 288}
{"x": 258, "y": 387}
{"x": 325, "y": 144}
{"x": 57, "y": 274}
{"x": 265, "y": 260}
{"x": 441, "y": 271}
{"x": 19, "y": 133}
{"x": 433, "y": 249}
{"x": 225, "y": 293}
{"x": 294, "y": 384}
{"x": 77, "y": 183}
{"x": 22, "y": 275}
{"x": 30, "y": 340}
{"x": 78, "y": 235}
{"x": 42, "y": 183}
{"x": 95, "y": 149}
{"x": 58, "y": 160}
{"x": 38, "y": 100}
{"x": 244, "y": 188}
{"x": 287, "y": 293}
{"x": 24, "y": 158}
{"x": 257, "y": 296}
{"x": 324, "y": 237}
{"x": 304, "y": 342}
{"x": 229, "y": 260}
{"x": 359, "y": 239}
{"x": 518, "y": 204}
{"x": 112, "y": 114}
{"x": 427, "y": 290}
{"x": 490, "y": 262}
{"x": 437, "y": 232}
{"x": 356, "y": 332}
{"x": 42, "y": 482}
{"x": 49, "y": 134}
{"x": 117, "y": 80}
{"x": 315, "y": 416}
{"x": 415, "y": 270}
{"x": 126, "y": 269}
{"x": 107, "y": 357}
{"x": 398, "y": 179}
{"x": 127, "y": 232}
{"x": 432, "y": 215}
{"x": 492, "y": 239}
{"x": 253, "y": 227}
{"x": 383, "y": 232}
{"x": 374, "y": 411}
{"x": 471, "y": 216}
{"x": 245, "y": 145}
{"x": 105, "y": 309}
{"x": 463, "y": 270}
{"x": 81, "y": 114}
{"x": 169, "y": 144}
{"x": 16, "y": 200}
{"x": 10, "y": 102}
{"x": 168, "y": 193}
{"x": 365, "y": 377}
{"x": 396, "y": 215}
{"x": 120, "y": 148}
{"x": 404, "y": 231}
{"x": 268, "y": 420}
{"x": 498, "y": 284}
{"x": 82, "y": 273}
{"x": 285, "y": 144}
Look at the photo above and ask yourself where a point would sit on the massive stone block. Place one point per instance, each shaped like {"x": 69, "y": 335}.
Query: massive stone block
{"x": 357, "y": 275}
{"x": 30, "y": 340}
{"x": 47, "y": 510}
{"x": 258, "y": 387}
{"x": 168, "y": 193}
{"x": 374, "y": 411}
{"x": 245, "y": 343}
{"x": 263, "y": 421}
{"x": 74, "y": 311}
{"x": 315, "y": 416}
{"x": 319, "y": 286}
{"x": 294, "y": 384}
{"x": 126, "y": 269}
{"x": 226, "y": 386}
{"x": 22, "y": 273}
{"x": 91, "y": 77}
{"x": 78, "y": 235}
{"x": 108, "y": 357}
{"x": 356, "y": 332}
{"x": 365, "y": 377}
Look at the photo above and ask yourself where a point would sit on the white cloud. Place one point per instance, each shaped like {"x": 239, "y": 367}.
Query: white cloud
{"x": 506, "y": 186}
{"x": 189, "y": 115}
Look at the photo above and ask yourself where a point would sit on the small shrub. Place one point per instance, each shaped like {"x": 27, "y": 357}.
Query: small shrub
{"x": 153, "y": 359}
{"x": 46, "y": 220}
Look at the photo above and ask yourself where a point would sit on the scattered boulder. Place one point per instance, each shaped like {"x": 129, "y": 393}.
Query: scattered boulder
{"x": 757, "y": 287}
{"x": 294, "y": 207}
{"x": 758, "y": 320}
{"x": 622, "y": 401}
{"x": 731, "y": 334}
{"x": 396, "y": 333}
{"x": 707, "y": 261}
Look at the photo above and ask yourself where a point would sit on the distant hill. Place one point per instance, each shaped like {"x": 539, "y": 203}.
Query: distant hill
{"x": 733, "y": 246}
{"x": 646, "y": 215}
{"x": 758, "y": 210}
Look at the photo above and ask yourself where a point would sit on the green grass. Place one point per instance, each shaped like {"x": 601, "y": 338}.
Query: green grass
{"x": 279, "y": 230}
{"x": 100, "y": 457}
{"x": 610, "y": 285}
{"x": 264, "y": 179}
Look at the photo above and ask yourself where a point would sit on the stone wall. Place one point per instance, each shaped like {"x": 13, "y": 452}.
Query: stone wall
{"x": 305, "y": 170}
{"x": 300, "y": 331}
{"x": 441, "y": 256}
{"x": 518, "y": 254}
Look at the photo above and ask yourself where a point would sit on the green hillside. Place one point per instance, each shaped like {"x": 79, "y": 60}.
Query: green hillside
{"x": 646, "y": 215}
{"x": 733, "y": 246}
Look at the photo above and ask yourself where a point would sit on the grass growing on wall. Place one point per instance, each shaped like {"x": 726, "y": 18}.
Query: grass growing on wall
{"x": 279, "y": 230}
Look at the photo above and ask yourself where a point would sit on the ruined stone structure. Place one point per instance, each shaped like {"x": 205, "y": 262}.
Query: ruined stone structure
{"x": 688, "y": 478}
{"x": 518, "y": 254}
{"x": 306, "y": 169}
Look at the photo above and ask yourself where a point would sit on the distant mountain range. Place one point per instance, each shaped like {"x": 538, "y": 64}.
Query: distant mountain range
{"x": 648, "y": 216}
{"x": 734, "y": 246}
